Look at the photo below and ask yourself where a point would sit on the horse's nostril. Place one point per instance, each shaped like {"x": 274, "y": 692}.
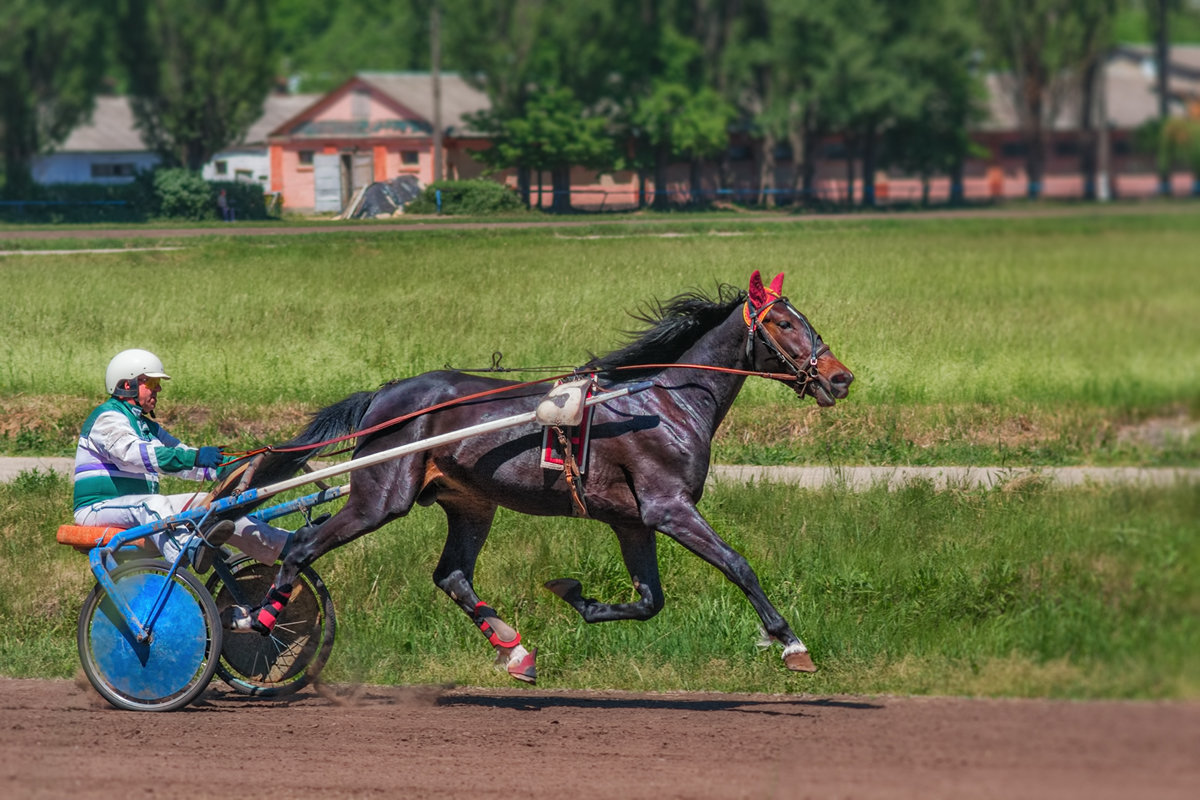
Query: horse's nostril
{"x": 841, "y": 379}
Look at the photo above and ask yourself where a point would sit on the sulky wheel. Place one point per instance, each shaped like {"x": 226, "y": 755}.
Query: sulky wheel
{"x": 174, "y": 665}
{"x": 293, "y": 655}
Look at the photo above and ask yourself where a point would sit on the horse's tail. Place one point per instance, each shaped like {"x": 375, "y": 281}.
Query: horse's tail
{"x": 288, "y": 458}
{"x": 331, "y": 422}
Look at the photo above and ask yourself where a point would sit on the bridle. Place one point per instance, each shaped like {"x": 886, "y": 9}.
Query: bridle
{"x": 757, "y": 332}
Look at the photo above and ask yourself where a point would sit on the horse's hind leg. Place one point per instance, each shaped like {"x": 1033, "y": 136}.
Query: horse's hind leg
{"x": 639, "y": 550}
{"x": 468, "y": 527}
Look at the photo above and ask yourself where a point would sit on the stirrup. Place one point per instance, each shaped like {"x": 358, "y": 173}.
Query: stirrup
{"x": 204, "y": 550}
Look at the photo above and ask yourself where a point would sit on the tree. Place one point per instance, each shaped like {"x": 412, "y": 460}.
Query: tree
{"x": 675, "y": 112}
{"x": 548, "y": 68}
{"x": 554, "y": 133}
{"x": 936, "y": 59}
{"x": 322, "y": 43}
{"x": 199, "y": 71}
{"x": 1040, "y": 43}
{"x": 52, "y": 58}
{"x": 1096, "y": 37}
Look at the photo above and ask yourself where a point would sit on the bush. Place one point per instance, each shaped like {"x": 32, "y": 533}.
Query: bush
{"x": 75, "y": 203}
{"x": 178, "y": 194}
{"x": 476, "y": 198}
{"x": 246, "y": 199}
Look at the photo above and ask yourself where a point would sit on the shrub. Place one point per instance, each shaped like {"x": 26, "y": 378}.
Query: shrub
{"x": 476, "y": 197}
{"x": 246, "y": 199}
{"x": 180, "y": 194}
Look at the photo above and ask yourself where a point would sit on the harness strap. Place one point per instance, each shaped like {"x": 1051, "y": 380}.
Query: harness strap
{"x": 571, "y": 473}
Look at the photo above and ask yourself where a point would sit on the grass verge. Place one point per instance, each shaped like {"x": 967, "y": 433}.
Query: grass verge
{"x": 1018, "y": 591}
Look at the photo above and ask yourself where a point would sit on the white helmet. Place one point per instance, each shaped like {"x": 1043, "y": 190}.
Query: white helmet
{"x": 129, "y": 365}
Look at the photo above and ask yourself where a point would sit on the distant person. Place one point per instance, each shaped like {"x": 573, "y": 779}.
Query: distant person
{"x": 224, "y": 207}
{"x": 122, "y": 453}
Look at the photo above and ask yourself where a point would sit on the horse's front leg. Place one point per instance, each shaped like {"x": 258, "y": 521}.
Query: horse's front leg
{"x": 467, "y": 530}
{"x": 640, "y": 553}
{"x": 679, "y": 519}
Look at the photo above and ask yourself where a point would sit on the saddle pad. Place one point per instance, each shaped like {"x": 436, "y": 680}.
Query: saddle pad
{"x": 553, "y": 456}
{"x": 86, "y": 536}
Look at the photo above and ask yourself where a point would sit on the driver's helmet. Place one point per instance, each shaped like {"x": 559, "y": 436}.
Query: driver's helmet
{"x": 120, "y": 379}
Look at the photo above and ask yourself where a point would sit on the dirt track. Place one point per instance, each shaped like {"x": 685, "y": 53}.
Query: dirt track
{"x": 59, "y": 739}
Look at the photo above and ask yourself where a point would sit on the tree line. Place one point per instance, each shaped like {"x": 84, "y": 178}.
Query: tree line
{"x": 603, "y": 84}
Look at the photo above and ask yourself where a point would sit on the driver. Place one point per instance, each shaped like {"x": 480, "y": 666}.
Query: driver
{"x": 122, "y": 452}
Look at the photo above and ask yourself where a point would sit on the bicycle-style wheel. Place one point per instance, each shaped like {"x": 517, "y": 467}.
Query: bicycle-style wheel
{"x": 175, "y": 664}
{"x": 295, "y": 652}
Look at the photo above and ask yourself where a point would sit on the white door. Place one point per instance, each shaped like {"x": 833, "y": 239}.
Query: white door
{"x": 327, "y": 182}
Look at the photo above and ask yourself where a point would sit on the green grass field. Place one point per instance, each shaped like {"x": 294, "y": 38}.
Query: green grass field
{"x": 1017, "y": 342}
{"x": 1049, "y": 341}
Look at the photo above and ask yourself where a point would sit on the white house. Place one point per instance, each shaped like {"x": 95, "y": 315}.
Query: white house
{"x": 106, "y": 149}
{"x": 109, "y": 149}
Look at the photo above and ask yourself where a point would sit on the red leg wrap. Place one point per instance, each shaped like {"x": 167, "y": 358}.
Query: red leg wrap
{"x": 482, "y": 613}
{"x": 270, "y": 611}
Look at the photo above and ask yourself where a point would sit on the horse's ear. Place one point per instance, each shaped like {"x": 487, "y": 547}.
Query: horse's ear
{"x": 776, "y": 288}
{"x": 758, "y": 295}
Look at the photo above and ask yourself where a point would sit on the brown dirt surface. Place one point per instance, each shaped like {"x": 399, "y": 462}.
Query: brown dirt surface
{"x": 59, "y": 739}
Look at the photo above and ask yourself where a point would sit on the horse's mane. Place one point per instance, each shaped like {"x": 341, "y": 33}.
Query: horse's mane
{"x": 674, "y": 326}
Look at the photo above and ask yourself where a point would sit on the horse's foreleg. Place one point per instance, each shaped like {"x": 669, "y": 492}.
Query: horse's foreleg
{"x": 467, "y": 531}
{"x": 639, "y": 550}
{"x": 684, "y": 523}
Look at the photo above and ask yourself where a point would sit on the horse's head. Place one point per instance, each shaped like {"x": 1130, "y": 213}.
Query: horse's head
{"x": 780, "y": 335}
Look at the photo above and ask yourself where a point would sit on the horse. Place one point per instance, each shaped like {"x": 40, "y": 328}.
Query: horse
{"x": 646, "y": 462}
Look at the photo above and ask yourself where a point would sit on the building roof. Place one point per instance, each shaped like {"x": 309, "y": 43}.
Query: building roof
{"x": 277, "y": 108}
{"x": 112, "y": 128}
{"x": 1131, "y": 94}
{"x": 415, "y": 91}
{"x": 411, "y": 93}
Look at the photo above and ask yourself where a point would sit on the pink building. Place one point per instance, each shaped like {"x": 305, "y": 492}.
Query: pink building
{"x": 374, "y": 127}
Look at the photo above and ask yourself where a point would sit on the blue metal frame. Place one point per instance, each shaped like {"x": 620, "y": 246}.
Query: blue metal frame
{"x": 102, "y": 558}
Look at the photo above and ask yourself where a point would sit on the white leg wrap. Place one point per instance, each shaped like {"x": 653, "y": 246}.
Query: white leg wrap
{"x": 791, "y": 649}
{"x": 506, "y": 658}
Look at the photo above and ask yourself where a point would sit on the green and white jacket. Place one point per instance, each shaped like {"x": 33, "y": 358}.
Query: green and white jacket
{"x": 121, "y": 452}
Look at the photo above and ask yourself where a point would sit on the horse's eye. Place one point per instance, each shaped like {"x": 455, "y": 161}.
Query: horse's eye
{"x": 784, "y": 325}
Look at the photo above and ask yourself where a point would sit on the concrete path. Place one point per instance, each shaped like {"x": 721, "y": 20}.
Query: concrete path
{"x": 856, "y": 478}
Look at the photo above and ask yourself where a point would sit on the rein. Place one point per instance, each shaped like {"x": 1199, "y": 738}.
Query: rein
{"x": 754, "y": 320}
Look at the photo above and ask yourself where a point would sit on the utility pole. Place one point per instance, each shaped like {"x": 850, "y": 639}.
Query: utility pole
{"x": 435, "y": 58}
{"x": 1163, "y": 63}
{"x": 1103, "y": 141}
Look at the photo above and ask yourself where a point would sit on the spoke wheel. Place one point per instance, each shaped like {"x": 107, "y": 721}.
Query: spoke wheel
{"x": 173, "y": 666}
{"x": 295, "y": 652}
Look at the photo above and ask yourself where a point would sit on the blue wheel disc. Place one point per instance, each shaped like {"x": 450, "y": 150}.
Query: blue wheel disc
{"x": 177, "y": 648}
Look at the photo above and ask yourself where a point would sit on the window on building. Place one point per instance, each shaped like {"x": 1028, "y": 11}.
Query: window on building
{"x": 113, "y": 170}
{"x": 222, "y": 167}
{"x": 244, "y": 175}
{"x": 1066, "y": 149}
{"x": 306, "y": 158}
{"x": 410, "y": 158}
{"x": 1014, "y": 150}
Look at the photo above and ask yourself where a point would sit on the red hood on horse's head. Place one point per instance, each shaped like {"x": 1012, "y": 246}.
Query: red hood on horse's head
{"x": 762, "y": 295}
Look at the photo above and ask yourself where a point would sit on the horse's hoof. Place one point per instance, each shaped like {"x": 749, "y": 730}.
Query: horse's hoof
{"x": 237, "y": 619}
{"x": 521, "y": 665}
{"x": 799, "y": 661}
{"x": 567, "y": 588}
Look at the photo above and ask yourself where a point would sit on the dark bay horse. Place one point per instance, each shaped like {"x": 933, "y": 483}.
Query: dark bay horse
{"x": 645, "y": 469}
